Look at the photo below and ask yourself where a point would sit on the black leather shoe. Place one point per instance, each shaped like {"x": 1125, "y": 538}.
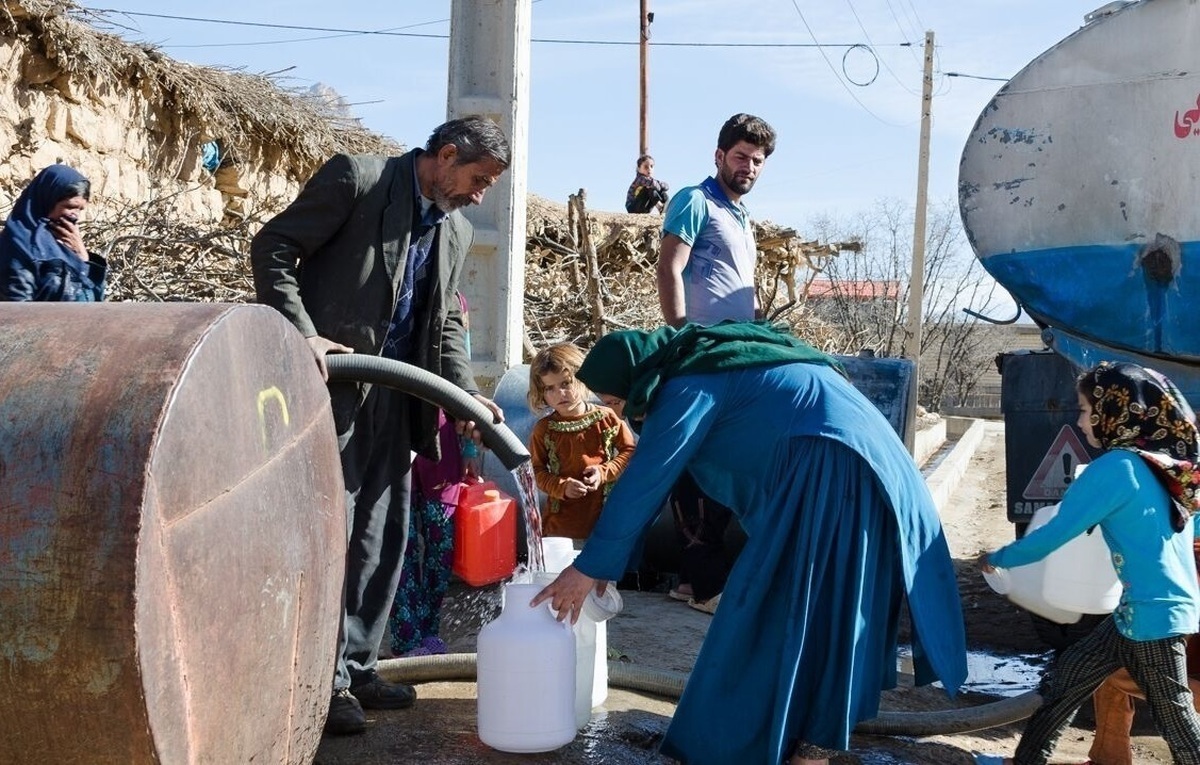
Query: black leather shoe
{"x": 373, "y": 692}
{"x": 345, "y": 714}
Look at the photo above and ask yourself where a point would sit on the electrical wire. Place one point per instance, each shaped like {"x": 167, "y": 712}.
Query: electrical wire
{"x": 559, "y": 41}
{"x": 920, "y": 22}
{"x": 878, "y": 60}
{"x": 869, "y": 46}
{"x": 974, "y": 76}
{"x": 846, "y": 73}
{"x": 256, "y": 43}
{"x": 833, "y": 69}
{"x": 904, "y": 32}
{"x": 306, "y": 39}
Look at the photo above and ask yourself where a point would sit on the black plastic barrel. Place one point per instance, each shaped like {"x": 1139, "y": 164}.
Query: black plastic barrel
{"x": 1043, "y": 446}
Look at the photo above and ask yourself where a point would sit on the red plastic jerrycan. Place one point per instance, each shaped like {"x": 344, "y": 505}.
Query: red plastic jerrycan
{"x": 485, "y": 534}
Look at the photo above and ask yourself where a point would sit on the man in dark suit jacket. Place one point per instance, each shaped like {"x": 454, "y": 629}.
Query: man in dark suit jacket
{"x": 367, "y": 260}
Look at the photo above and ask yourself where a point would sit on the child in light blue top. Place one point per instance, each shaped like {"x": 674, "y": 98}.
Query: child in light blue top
{"x": 1120, "y": 493}
{"x": 1141, "y": 493}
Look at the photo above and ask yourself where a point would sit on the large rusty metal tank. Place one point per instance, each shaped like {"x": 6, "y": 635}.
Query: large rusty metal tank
{"x": 172, "y": 536}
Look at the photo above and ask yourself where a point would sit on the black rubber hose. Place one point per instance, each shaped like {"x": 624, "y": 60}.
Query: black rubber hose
{"x": 933, "y": 722}
{"x": 360, "y": 367}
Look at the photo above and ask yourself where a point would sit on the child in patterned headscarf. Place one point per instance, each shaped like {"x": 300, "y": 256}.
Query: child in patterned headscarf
{"x": 1141, "y": 492}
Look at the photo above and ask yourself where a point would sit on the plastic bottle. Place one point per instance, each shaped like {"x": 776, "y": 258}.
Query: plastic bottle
{"x": 1080, "y": 576}
{"x": 526, "y": 677}
{"x": 472, "y": 461}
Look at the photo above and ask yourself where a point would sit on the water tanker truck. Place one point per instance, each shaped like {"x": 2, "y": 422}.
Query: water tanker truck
{"x": 1079, "y": 190}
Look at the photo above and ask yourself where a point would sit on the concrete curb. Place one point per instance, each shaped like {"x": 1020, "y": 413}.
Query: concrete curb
{"x": 946, "y": 476}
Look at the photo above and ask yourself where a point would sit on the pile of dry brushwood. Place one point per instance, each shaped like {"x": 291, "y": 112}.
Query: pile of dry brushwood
{"x": 156, "y": 255}
{"x": 585, "y": 273}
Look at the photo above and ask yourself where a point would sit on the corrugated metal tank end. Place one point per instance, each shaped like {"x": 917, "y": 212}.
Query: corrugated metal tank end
{"x": 172, "y": 535}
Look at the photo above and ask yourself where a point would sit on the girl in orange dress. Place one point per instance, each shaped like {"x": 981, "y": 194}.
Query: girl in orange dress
{"x": 578, "y": 449}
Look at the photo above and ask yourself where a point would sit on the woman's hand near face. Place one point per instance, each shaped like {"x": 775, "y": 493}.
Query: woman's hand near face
{"x": 66, "y": 231}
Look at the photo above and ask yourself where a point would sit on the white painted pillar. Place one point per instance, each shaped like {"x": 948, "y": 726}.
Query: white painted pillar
{"x": 489, "y": 75}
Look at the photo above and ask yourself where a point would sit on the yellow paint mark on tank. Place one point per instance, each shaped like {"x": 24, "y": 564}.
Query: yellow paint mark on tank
{"x": 270, "y": 394}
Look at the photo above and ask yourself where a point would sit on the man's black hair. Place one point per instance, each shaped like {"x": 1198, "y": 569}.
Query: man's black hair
{"x": 748, "y": 128}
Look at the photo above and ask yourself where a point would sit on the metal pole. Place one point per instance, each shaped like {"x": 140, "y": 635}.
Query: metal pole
{"x": 643, "y": 105}
{"x": 916, "y": 279}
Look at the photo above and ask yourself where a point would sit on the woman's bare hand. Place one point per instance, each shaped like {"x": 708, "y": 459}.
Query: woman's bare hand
{"x": 66, "y": 231}
{"x": 567, "y": 593}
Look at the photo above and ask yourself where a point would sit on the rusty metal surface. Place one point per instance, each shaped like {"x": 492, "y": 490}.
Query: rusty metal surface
{"x": 172, "y": 536}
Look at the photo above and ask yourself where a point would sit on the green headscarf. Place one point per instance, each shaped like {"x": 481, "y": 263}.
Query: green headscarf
{"x": 633, "y": 364}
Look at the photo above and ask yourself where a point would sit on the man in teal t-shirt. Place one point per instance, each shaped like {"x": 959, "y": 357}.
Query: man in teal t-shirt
{"x": 705, "y": 276}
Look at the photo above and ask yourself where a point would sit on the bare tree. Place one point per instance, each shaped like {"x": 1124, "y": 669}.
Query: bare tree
{"x": 865, "y": 303}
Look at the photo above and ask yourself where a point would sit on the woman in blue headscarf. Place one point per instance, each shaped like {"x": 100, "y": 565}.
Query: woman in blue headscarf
{"x": 840, "y": 531}
{"x": 42, "y": 255}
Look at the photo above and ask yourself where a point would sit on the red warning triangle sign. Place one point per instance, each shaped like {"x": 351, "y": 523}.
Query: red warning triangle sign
{"x": 1057, "y": 469}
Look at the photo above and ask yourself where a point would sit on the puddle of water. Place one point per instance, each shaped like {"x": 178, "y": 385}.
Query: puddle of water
{"x": 995, "y": 674}
{"x": 638, "y": 730}
{"x": 935, "y": 459}
{"x": 1004, "y": 675}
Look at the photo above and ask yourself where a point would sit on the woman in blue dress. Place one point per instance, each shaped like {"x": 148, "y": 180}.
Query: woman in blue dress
{"x": 840, "y": 530}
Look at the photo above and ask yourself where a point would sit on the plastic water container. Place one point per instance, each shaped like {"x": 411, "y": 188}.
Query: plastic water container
{"x": 1025, "y": 585}
{"x": 485, "y": 535}
{"x": 591, "y": 631}
{"x": 525, "y": 669}
{"x": 1080, "y": 574}
{"x": 558, "y": 553}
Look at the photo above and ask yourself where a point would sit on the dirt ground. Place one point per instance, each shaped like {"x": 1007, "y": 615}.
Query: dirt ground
{"x": 664, "y": 635}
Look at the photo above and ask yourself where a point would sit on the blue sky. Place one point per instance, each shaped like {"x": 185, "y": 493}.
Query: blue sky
{"x": 841, "y": 146}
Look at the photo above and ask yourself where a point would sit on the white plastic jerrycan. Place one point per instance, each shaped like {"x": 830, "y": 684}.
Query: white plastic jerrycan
{"x": 525, "y": 669}
{"x": 1080, "y": 574}
{"x": 1025, "y": 585}
{"x": 591, "y": 631}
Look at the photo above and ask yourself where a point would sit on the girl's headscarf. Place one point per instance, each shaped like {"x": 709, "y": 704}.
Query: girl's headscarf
{"x": 1140, "y": 410}
{"x": 26, "y": 230}
{"x": 634, "y": 364}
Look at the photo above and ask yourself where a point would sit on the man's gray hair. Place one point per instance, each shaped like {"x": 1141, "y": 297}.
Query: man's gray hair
{"x": 476, "y": 137}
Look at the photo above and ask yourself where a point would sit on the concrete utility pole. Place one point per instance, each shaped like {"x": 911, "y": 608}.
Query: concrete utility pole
{"x": 489, "y": 74}
{"x": 916, "y": 279}
{"x": 644, "y": 101}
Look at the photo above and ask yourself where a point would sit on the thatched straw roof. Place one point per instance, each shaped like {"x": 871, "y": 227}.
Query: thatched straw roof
{"x": 243, "y": 108}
